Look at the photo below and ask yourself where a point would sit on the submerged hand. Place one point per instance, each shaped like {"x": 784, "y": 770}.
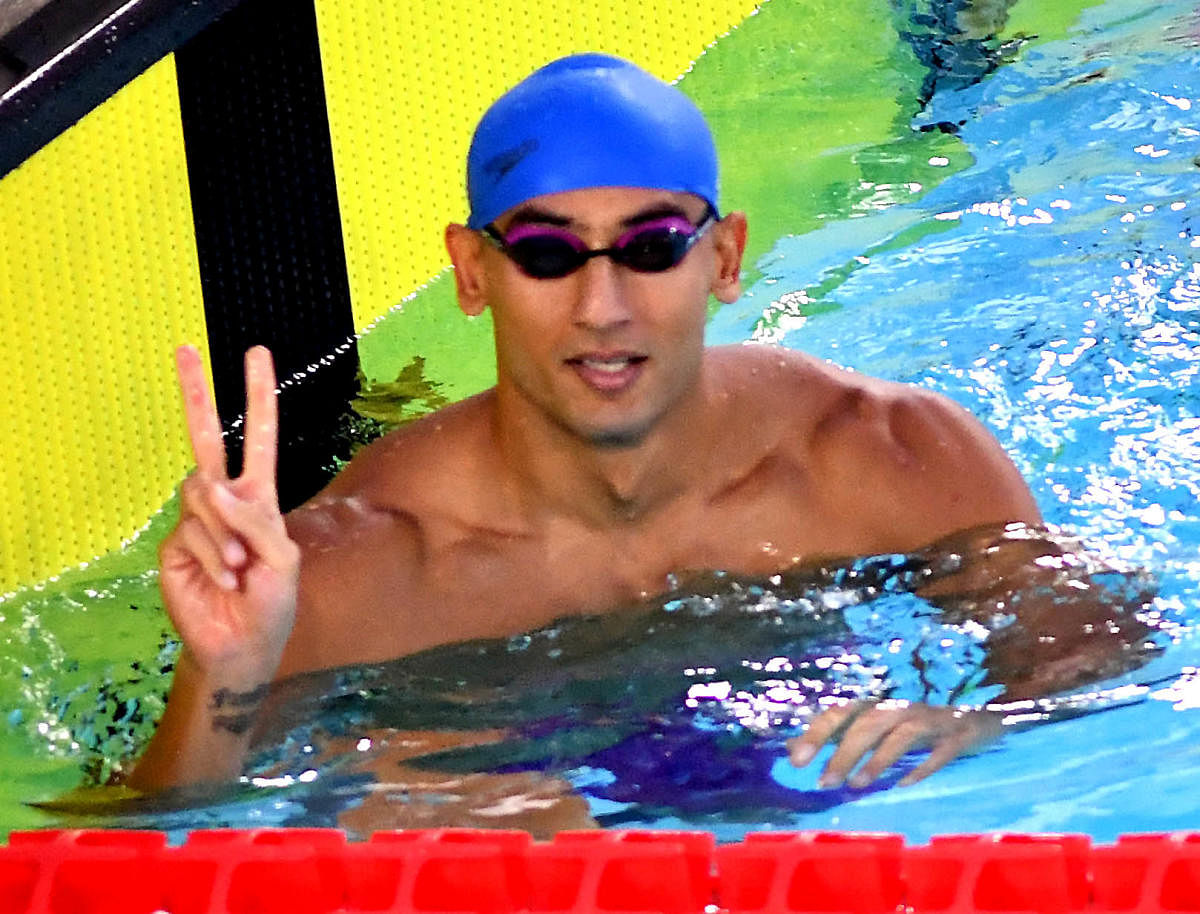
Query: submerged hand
{"x": 881, "y": 732}
{"x": 229, "y": 570}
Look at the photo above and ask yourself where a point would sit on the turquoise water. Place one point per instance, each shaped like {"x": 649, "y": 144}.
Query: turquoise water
{"x": 1054, "y": 289}
{"x": 1058, "y": 298}
{"x": 1052, "y": 286}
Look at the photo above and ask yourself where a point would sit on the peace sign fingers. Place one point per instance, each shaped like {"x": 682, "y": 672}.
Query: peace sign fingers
{"x": 261, "y": 420}
{"x": 230, "y": 527}
{"x": 228, "y": 572}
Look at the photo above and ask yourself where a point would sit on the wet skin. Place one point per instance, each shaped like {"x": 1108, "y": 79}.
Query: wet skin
{"x": 614, "y": 451}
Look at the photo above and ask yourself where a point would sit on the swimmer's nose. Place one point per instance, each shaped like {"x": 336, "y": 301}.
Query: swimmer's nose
{"x": 602, "y": 302}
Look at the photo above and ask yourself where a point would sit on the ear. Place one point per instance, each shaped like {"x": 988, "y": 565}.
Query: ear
{"x": 465, "y": 249}
{"x": 729, "y": 236}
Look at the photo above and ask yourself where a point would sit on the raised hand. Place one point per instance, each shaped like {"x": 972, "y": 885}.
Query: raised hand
{"x": 229, "y": 577}
{"x": 229, "y": 571}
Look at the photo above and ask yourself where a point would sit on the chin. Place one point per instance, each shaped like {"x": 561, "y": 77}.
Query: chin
{"x": 617, "y": 439}
{"x": 615, "y": 436}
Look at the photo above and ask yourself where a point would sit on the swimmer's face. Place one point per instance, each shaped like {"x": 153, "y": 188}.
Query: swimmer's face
{"x": 605, "y": 352}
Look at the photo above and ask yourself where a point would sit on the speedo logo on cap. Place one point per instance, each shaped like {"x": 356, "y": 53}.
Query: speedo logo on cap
{"x": 503, "y": 162}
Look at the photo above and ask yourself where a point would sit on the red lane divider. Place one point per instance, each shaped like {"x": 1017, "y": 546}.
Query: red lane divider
{"x": 317, "y": 871}
{"x": 1005, "y": 873}
{"x": 810, "y": 872}
{"x": 582, "y": 872}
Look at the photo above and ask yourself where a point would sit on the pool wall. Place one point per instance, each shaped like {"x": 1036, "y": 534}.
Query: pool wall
{"x": 110, "y": 259}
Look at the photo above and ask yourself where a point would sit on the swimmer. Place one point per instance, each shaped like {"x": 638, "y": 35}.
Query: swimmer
{"x": 614, "y": 452}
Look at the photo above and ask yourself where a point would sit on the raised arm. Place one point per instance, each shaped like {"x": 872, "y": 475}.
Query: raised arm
{"x": 229, "y": 577}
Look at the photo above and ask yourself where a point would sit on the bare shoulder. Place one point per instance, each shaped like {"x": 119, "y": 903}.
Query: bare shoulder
{"x": 398, "y": 483}
{"x": 370, "y": 534}
{"x": 925, "y": 465}
{"x": 409, "y": 487}
{"x": 423, "y": 457}
{"x": 802, "y": 392}
{"x": 914, "y": 463}
{"x": 764, "y": 381}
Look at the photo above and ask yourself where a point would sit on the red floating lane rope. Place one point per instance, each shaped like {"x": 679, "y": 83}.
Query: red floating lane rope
{"x": 317, "y": 871}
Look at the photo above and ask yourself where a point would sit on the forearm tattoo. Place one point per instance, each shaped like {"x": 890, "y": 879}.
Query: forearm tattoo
{"x": 233, "y": 711}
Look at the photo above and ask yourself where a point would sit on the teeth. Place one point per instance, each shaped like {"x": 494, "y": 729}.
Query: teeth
{"x": 611, "y": 366}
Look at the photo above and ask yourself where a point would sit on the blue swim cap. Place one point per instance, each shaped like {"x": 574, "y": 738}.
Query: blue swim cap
{"x": 588, "y": 120}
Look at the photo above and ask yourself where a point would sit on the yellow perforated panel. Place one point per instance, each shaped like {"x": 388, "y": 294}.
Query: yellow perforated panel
{"x": 98, "y": 273}
{"x": 98, "y": 283}
{"x": 406, "y": 83}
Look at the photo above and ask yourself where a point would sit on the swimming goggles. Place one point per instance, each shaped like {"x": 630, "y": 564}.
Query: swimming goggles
{"x": 550, "y": 252}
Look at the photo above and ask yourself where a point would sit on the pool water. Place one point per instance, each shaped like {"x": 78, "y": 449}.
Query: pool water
{"x": 1019, "y": 232}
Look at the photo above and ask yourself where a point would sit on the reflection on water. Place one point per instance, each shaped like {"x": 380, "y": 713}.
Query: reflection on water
{"x": 681, "y": 707}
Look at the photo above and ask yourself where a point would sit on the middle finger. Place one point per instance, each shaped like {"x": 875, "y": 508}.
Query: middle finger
{"x": 262, "y": 420}
{"x": 859, "y": 739}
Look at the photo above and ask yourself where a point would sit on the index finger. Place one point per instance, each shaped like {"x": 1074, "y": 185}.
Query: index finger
{"x": 204, "y": 426}
{"x": 262, "y": 419}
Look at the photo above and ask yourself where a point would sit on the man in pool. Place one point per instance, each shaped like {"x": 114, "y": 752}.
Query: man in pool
{"x": 615, "y": 451}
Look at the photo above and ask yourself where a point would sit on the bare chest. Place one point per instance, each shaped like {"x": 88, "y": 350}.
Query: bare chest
{"x": 495, "y": 586}
{"x": 468, "y": 584}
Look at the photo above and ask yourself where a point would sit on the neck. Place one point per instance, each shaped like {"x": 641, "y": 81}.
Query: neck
{"x": 604, "y": 483}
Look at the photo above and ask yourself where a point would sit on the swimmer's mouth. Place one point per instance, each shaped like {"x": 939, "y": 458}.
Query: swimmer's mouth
{"x": 608, "y": 364}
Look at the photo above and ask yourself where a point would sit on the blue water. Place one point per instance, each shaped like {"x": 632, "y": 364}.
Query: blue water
{"x": 1053, "y": 288}
{"x": 1057, "y": 296}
